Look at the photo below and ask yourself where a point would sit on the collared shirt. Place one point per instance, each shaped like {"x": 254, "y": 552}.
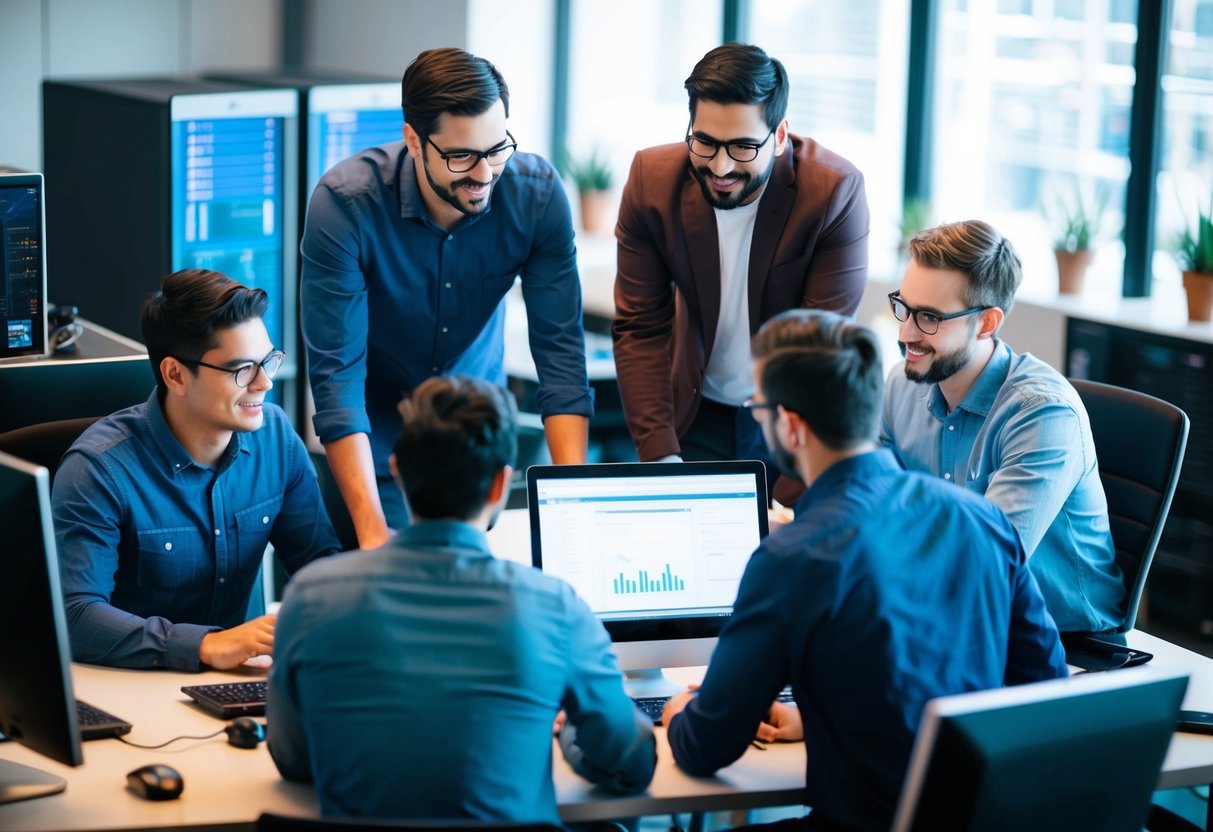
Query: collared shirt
{"x": 390, "y": 298}
{"x": 888, "y": 589}
{"x": 1020, "y": 436}
{"x": 421, "y": 679}
{"x": 156, "y": 550}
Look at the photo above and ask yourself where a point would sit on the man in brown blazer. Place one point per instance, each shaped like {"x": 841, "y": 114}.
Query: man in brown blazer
{"x": 717, "y": 235}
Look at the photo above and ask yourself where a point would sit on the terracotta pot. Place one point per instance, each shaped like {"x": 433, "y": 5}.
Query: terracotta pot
{"x": 1199, "y": 287}
{"x": 1071, "y": 269}
{"x": 596, "y": 211}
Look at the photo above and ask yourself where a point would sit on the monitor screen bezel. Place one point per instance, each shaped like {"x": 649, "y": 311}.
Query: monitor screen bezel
{"x": 662, "y": 628}
{"x": 41, "y": 347}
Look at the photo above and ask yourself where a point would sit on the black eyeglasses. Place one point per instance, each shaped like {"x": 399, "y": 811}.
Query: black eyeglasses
{"x": 927, "y": 322}
{"x": 245, "y": 373}
{"x": 738, "y": 151}
{"x": 752, "y": 406}
{"x": 461, "y": 161}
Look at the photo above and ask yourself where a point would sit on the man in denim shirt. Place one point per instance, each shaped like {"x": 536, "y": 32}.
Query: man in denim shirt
{"x": 966, "y": 407}
{"x": 163, "y": 510}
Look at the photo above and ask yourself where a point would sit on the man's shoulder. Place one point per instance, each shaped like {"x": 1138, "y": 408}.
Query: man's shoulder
{"x": 532, "y": 166}
{"x": 368, "y": 170}
{"x": 111, "y": 432}
{"x": 1032, "y": 382}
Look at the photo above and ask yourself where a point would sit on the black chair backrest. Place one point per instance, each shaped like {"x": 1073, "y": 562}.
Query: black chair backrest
{"x": 45, "y": 443}
{"x": 1140, "y": 442}
{"x": 269, "y": 822}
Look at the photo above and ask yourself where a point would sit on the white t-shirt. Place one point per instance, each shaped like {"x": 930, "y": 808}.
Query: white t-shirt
{"x": 727, "y": 379}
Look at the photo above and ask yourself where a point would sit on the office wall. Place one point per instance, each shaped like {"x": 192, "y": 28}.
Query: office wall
{"x": 88, "y": 38}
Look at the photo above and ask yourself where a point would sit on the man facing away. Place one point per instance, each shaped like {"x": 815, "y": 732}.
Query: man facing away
{"x": 717, "y": 234}
{"x": 421, "y": 679}
{"x": 964, "y": 406}
{"x": 408, "y": 251}
{"x": 888, "y": 589}
{"x": 163, "y": 510}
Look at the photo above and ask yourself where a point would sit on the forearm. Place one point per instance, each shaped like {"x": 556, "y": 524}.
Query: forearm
{"x": 354, "y": 472}
{"x": 103, "y": 634}
{"x": 625, "y": 769}
{"x": 567, "y": 437}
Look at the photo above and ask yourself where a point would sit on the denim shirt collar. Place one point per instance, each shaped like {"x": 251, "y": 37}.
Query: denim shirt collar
{"x": 981, "y": 395}
{"x": 412, "y": 206}
{"x": 176, "y": 458}
{"x": 854, "y": 468}
{"x": 445, "y": 534}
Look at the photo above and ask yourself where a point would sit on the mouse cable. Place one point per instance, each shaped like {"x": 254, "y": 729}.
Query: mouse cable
{"x": 169, "y": 742}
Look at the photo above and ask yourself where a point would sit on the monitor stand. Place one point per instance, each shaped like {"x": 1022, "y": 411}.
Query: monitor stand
{"x": 21, "y": 782}
{"x": 649, "y": 682}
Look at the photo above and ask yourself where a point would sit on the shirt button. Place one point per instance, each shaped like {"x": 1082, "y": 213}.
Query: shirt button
{"x": 450, "y": 236}
{"x": 444, "y": 329}
{"x": 433, "y": 369}
{"x": 265, "y": 520}
{"x": 168, "y": 547}
{"x": 448, "y": 285}
{"x": 216, "y": 532}
{"x": 948, "y": 476}
{"x": 951, "y": 427}
{"x": 221, "y": 580}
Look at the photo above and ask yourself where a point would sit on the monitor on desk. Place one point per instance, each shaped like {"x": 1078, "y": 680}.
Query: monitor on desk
{"x": 657, "y": 550}
{"x": 22, "y": 266}
{"x": 37, "y": 707}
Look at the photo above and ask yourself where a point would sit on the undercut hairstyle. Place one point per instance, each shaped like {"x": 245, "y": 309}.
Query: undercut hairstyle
{"x": 185, "y": 317}
{"x": 826, "y": 369}
{"x": 979, "y": 251}
{"x": 740, "y": 73}
{"x": 451, "y": 81}
{"x": 458, "y": 433}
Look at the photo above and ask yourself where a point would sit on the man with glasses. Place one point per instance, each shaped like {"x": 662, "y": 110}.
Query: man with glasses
{"x": 966, "y": 407}
{"x": 889, "y": 588}
{"x": 163, "y": 510}
{"x": 716, "y": 235}
{"x": 408, "y": 251}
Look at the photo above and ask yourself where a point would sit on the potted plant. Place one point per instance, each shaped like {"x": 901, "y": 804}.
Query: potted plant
{"x": 915, "y": 216}
{"x": 1078, "y": 227}
{"x": 1196, "y": 259}
{"x": 593, "y": 178}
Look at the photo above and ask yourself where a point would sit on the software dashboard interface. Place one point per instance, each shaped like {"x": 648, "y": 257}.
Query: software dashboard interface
{"x": 645, "y": 546}
{"x": 22, "y": 266}
{"x": 344, "y": 119}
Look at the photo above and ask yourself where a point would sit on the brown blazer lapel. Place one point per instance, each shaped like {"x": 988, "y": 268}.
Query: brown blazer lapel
{"x": 773, "y": 210}
{"x": 703, "y": 252}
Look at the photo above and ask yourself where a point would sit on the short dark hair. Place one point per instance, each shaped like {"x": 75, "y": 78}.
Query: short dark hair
{"x": 451, "y": 81}
{"x": 979, "y": 251}
{"x": 458, "y": 432}
{"x": 184, "y": 318}
{"x": 740, "y": 73}
{"x": 826, "y": 369}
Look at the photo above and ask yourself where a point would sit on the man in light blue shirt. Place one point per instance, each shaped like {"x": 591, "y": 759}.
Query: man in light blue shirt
{"x": 421, "y": 679}
{"x": 966, "y": 407}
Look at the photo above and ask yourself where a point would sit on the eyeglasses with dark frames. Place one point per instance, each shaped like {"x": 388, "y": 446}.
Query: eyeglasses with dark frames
{"x": 754, "y": 406}
{"x": 927, "y": 322}
{"x": 245, "y": 374}
{"x": 461, "y": 161}
{"x": 738, "y": 151}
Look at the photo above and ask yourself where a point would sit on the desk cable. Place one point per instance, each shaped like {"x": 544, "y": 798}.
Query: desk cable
{"x": 170, "y": 742}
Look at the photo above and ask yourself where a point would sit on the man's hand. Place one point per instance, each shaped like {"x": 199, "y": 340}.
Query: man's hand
{"x": 783, "y": 724}
{"x": 226, "y": 649}
{"x": 676, "y": 703}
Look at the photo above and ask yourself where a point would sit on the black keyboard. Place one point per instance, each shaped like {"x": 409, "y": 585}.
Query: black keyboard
{"x": 230, "y": 699}
{"x": 653, "y": 705}
{"x": 96, "y": 724}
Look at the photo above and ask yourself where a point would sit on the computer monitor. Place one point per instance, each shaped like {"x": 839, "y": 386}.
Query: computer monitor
{"x": 345, "y": 118}
{"x": 37, "y": 707}
{"x": 657, "y": 550}
{"x": 1079, "y": 753}
{"x": 22, "y": 266}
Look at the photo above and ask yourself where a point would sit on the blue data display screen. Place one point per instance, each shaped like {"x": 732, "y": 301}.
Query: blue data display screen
{"x": 21, "y": 287}
{"x": 228, "y": 204}
{"x": 340, "y": 134}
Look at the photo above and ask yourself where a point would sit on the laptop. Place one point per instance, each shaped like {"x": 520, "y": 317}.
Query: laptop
{"x": 23, "y": 325}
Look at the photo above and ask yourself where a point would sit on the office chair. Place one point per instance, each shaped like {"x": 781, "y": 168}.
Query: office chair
{"x": 1081, "y": 753}
{"x": 1140, "y": 442}
{"x": 269, "y": 822}
{"x": 45, "y": 443}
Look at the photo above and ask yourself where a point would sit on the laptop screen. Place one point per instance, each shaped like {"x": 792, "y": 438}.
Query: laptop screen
{"x": 22, "y": 266}
{"x": 645, "y": 542}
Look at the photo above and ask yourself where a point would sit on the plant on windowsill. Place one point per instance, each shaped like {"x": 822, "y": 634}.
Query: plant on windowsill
{"x": 1078, "y": 225}
{"x": 593, "y": 177}
{"x": 915, "y": 216}
{"x": 1196, "y": 259}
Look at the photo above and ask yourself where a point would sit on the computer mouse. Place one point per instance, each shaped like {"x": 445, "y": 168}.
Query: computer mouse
{"x": 155, "y": 781}
{"x": 245, "y": 732}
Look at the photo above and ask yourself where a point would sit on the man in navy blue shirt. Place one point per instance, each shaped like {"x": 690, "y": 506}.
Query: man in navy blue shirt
{"x": 408, "y": 251}
{"x": 889, "y": 588}
{"x": 163, "y": 510}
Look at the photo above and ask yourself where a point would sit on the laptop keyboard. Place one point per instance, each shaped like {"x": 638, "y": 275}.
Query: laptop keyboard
{"x": 230, "y": 699}
{"x": 653, "y": 705}
{"x": 96, "y": 724}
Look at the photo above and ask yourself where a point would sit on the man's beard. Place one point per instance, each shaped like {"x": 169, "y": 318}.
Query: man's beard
{"x": 784, "y": 459}
{"x": 727, "y": 201}
{"x": 447, "y": 193}
{"x": 943, "y": 365}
